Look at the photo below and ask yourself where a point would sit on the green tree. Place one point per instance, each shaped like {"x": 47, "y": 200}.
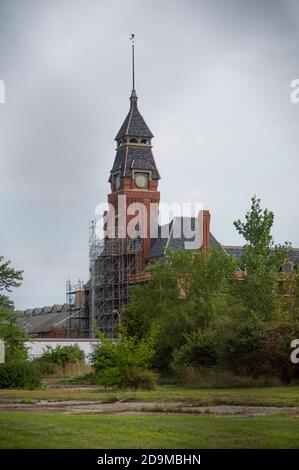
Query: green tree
{"x": 260, "y": 290}
{"x": 264, "y": 317}
{"x": 13, "y": 335}
{"x": 187, "y": 291}
{"x": 10, "y": 329}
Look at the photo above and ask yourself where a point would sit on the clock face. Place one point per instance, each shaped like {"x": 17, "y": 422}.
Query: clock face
{"x": 117, "y": 181}
{"x": 141, "y": 180}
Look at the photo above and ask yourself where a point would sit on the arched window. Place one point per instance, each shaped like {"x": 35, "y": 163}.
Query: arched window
{"x": 133, "y": 141}
{"x": 144, "y": 141}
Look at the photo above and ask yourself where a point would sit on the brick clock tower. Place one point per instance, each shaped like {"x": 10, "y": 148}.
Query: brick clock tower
{"x": 134, "y": 199}
{"x": 134, "y": 175}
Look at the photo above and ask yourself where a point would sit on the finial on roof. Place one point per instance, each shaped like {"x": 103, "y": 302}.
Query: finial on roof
{"x": 132, "y": 38}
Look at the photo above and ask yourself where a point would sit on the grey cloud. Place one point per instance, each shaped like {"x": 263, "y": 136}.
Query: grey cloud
{"x": 213, "y": 80}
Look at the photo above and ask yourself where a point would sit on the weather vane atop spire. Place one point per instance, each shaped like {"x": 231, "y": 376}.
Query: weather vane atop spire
{"x": 132, "y": 38}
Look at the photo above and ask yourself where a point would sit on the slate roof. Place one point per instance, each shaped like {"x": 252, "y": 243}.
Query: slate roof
{"x": 47, "y": 318}
{"x": 129, "y": 158}
{"x": 176, "y": 240}
{"x": 134, "y": 124}
{"x": 178, "y": 237}
{"x": 237, "y": 251}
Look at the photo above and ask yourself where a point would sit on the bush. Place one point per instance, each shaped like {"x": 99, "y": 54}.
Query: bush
{"x": 61, "y": 356}
{"x": 139, "y": 378}
{"x": 72, "y": 369}
{"x": 125, "y": 362}
{"x": 109, "y": 377}
{"x": 24, "y": 375}
{"x": 261, "y": 349}
{"x": 131, "y": 377}
{"x": 240, "y": 348}
{"x": 200, "y": 350}
{"x": 45, "y": 367}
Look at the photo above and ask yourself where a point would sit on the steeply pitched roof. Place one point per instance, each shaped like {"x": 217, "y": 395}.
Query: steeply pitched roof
{"x": 129, "y": 158}
{"x": 175, "y": 236}
{"x": 134, "y": 124}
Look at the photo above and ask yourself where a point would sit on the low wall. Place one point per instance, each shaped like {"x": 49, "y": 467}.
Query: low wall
{"x": 37, "y": 346}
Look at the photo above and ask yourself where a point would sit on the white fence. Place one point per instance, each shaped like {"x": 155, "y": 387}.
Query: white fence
{"x": 37, "y": 347}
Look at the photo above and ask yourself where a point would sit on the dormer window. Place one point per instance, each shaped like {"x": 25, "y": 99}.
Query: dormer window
{"x": 133, "y": 141}
{"x": 144, "y": 141}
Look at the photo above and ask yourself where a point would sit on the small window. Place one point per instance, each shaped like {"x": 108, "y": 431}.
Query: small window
{"x": 144, "y": 141}
{"x": 133, "y": 141}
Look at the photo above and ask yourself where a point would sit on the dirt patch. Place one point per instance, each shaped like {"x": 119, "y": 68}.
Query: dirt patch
{"x": 142, "y": 408}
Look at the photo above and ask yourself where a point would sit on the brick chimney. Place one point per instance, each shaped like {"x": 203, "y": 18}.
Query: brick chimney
{"x": 205, "y": 219}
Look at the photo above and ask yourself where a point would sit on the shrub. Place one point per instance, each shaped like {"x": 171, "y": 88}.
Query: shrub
{"x": 131, "y": 377}
{"x": 260, "y": 349}
{"x": 139, "y": 378}
{"x": 24, "y": 375}
{"x": 45, "y": 367}
{"x": 63, "y": 355}
{"x": 104, "y": 355}
{"x": 200, "y": 350}
{"x": 124, "y": 363}
{"x": 109, "y": 377}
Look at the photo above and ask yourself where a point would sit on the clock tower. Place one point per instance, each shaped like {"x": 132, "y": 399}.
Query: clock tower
{"x": 134, "y": 176}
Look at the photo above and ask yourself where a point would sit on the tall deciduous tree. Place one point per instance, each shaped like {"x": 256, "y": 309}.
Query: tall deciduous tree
{"x": 262, "y": 262}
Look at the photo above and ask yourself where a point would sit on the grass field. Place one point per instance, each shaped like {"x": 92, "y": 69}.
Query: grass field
{"x": 27, "y": 430}
{"x": 20, "y": 429}
{"x": 263, "y": 396}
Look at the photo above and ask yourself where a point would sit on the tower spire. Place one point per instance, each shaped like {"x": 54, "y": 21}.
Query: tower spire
{"x": 132, "y": 39}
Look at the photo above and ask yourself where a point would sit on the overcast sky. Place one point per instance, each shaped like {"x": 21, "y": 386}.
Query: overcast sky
{"x": 213, "y": 79}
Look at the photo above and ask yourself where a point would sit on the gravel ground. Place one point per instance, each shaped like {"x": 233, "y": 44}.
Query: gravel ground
{"x": 141, "y": 408}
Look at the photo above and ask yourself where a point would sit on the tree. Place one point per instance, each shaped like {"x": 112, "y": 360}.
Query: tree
{"x": 187, "y": 291}
{"x": 9, "y": 277}
{"x": 13, "y": 335}
{"x": 10, "y": 330}
{"x": 262, "y": 260}
{"x": 257, "y": 339}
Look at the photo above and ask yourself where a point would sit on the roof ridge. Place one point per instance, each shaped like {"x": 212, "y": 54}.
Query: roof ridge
{"x": 130, "y": 116}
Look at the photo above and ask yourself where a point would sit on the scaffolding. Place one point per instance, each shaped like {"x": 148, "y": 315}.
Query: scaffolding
{"x": 112, "y": 261}
{"x": 73, "y": 291}
{"x": 77, "y": 324}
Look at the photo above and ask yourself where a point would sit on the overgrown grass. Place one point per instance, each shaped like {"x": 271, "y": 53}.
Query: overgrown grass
{"x": 214, "y": 378}
{"x": 266, "y": 396}
{"x": 27, "y": 430}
